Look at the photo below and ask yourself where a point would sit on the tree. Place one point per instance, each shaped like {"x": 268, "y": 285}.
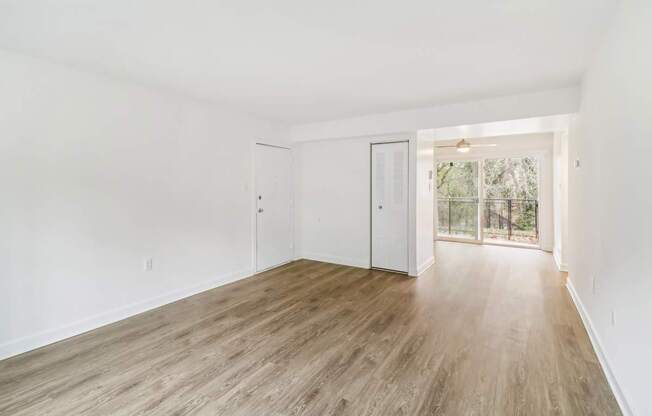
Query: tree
{"x": 456, "y": 179}
{"x": 514, "y": 179}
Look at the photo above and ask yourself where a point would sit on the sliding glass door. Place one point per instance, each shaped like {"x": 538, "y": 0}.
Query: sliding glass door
{"x": 458, "y": 200}
{"x": 511, "y": 200}
{"x": 489, "y": 200}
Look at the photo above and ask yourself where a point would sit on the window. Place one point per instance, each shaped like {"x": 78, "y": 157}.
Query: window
{"x": 502, "y": 194}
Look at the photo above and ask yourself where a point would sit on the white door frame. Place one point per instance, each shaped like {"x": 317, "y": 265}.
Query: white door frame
{"x": 371, "y": 205}
{"x": 254, "y": 204}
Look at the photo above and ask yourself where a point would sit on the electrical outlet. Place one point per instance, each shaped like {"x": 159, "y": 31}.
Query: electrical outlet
{"x": 148, "y": 264}
{"x": 613, "y": 317}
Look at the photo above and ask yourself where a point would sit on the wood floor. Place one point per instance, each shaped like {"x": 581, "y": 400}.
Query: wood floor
{"x": 487, "y": 331}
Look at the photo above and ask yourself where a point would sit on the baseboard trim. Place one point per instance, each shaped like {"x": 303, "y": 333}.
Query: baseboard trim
{"x": 41, "y": 339}
{"x": 425, "y": 265}
{"x": 336, "y": 260}
{"x": 561, "y": 266}
{"x": 599, "y": 351}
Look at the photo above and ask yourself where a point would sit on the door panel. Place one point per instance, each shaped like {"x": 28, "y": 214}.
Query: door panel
{"x": 458, "y": 200}
{"x": 511, "y": 200}
{"x": 389, "y": 206}
{"x": 273, "y": 206}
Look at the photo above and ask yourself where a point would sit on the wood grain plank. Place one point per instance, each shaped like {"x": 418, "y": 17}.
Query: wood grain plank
{"x": 486, "y": 331}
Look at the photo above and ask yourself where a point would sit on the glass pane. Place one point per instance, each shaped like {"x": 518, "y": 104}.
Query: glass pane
{"x": 457, "y": 199}
{"x": 511, "y": 192}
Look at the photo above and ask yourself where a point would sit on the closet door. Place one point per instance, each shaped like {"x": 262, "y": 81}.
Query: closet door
{"x": 389, "y": 206}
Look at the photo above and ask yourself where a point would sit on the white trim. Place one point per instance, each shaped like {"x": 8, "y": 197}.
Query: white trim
{"x": 513, "y": 244}
{"x": 344, "y": 261}
{"x": 599, "y": 351}
{"x": 459, "y": 240}
{"x": 41, "y": 339}
{"x": 254, "y": 208}
{"x": 491, "y": 243}
{"x": 425, "y": 265}
{"x": 563, "y": 267}
{"x": 412, "y": 269}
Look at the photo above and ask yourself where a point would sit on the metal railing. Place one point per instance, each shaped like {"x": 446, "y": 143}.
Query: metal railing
{"x": 502, "y": 218}
{"x": 458, "y": 217}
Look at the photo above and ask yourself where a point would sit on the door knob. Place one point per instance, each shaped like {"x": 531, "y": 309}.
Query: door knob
{"x": 380, "y": 207}
{"x": 260, "y": 210}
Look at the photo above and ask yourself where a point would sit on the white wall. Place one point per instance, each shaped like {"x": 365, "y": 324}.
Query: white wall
{"x": 546, "y": 103}
{"x": 610, "y": 205}
{"x": 539, "y": 145}
{"x": 98, "y": 175}
{"x": 333, "y": 196}
{"x": 333, "y": 201}
{"x": 545, "y": 124}
{"x": 425, "y": 185}
{"x": 560, "y": 199}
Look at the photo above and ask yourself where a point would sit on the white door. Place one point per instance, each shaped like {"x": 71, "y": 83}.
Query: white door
{"x": 389, "y": 206}
{"x": 273, "y": 206}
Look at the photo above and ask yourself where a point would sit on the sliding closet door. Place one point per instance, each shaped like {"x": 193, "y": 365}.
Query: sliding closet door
{"x": 389, "y": 206}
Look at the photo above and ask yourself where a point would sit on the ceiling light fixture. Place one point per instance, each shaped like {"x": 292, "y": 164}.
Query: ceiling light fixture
{"x": 463, "y": 146}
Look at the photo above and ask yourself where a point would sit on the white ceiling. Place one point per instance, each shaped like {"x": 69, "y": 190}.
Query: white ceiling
{"x": 301, "y": 61}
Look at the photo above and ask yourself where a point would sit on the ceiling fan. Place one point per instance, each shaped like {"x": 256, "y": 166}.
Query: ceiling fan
{"x": 463, "y": 146}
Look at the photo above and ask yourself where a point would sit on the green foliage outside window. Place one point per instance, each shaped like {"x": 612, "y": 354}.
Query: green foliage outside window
{"x": 514, "y": 179}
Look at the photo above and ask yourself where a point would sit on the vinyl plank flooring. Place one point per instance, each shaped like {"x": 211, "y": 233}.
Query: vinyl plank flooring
{"x": 486, "y": 331}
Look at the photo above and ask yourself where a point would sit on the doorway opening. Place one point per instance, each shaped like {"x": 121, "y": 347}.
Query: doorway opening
{"x": 489, "y": 200}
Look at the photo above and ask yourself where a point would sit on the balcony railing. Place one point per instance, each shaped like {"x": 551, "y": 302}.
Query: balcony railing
{"x": 503, "y": 218}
